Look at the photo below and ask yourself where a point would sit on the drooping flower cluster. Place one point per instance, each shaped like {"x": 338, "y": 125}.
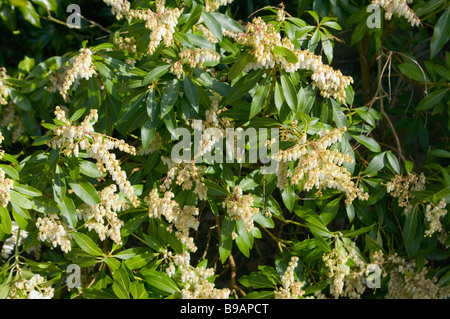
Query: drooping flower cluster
{"x": 407, "y": 282}
{"x": 102, "y": 217}
{"x": 81, "y": 67}
{"x": 213, "y": 5}
{"x": 195, "y": 280}
{"x": 34, "y": 288}
{"x": 126, "y": 43}
{"x": 400, "y": 8}
{"x": 10, "y": 243}
{"x": 291, "y": 289}
{"x": 434, "y": 214}
{"x": 181, "y": 219}
{"x": 263, "y": 38}
{"x": 162, "y": 23}
{"x": 401, "y": 187}
{"x": 3, "y": 88}
{"x": 240, "y": 207}
{"x": 194, "y": 58}
{"x": 97, "y": 146}
{"x": 347, "y": 272}
{"x": 185, "y": 175}
{"x": 6, "y": 184}
{"x": 207, "y": 33}
{"x": 120, "y": 8}
{"x": 54, "y": 231}
{"x": 318, "y": 166}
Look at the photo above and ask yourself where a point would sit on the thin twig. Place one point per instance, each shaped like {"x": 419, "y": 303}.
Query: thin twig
{"x": 233, "y": 284}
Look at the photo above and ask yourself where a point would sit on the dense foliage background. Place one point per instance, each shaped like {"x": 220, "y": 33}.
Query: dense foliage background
{"x": 138, "y": 225}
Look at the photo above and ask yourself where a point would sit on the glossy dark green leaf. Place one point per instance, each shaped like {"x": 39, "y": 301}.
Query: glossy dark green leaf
{"x": 190, "y": 89}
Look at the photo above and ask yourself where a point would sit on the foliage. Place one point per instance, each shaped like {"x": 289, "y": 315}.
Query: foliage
{"x": 91, "y": 125}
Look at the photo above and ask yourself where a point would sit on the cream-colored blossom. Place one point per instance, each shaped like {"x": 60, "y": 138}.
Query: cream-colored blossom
{"x": 240, "y": 207}
{"x": 401, "y": 187}
{"x": 74, "y": 139}
{"x": 317, "y": 166}
{"x": 291, "y": 289}
{"x": 34, "y": 288}
{"x": 407, "y": 282}
{"x": 54, "y": 231}
{"x": 10, "y": 243}
{"x": 81, "y": 67}
{"x": 102, "y": 217}
{"x": 434, "y": 214}
{"x": 182, "y": 219}
{"x": 262, "y": 38}
{"x": 399, "y": 8}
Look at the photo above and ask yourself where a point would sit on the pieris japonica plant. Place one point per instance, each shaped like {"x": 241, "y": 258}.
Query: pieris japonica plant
{"x": 189, "y": 150}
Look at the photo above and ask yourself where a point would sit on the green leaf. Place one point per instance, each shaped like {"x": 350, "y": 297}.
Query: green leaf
{"x": 191, "y": 92}
{"x": 313, "y": 222}
{"x": 121, "y": 285}
{"x": 393, "y": 161}
{"x": 30, "y": 14}
{"x": 133, "y": 224}
{"x": 194, "y": 16}
{"x": 289, "y": 92}
{"x": 20, "y": 100}
{"x": 87, "y": 244}
{"x": 85, "y": 191}
{"x": 27, "y": 190}
{"x": 431, "y": 99}
{"x": 159, "y": 280}
{"x": 5, "y": 220}
{"x": 20, "y": 200}
{"x": 169, "y": 97}
{"x": 289, "y": 197}
{"x": 215, "y": 189}
{"x": 412, "y": 71}
{"x": 375, "y": 164}
{"x": 441, "y": 33}
{"x": 238, "y": 66}
{"x": 338, "y": 115}
{"x": 68, "y": 211}
{"x": 329, "y": 211}
{"x": 155, "y": 74}
{"x": 327, "y": 46}
{"x": 259, "y": 100}
{"x": 356, "y": 232}
{"x": 368, "y": 142}
{"x": 408, "y": 166}
{"x": 314, "y": 15}
{"x": 285, "y": 53}
{"x": 77, "y": 114}
{"x": 412, "y": 231}
{"x": 242, "y": 246}
{"x": 213, "y": 25}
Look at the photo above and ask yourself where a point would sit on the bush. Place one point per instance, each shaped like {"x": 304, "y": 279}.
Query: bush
{"x": 187, "y": 149}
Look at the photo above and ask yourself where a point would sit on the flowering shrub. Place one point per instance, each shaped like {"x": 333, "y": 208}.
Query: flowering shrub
{"x": 193, "y": 153}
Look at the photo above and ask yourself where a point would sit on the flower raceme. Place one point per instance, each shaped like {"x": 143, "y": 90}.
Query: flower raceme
{"x": 6, "y": 184}
{"x": 102, "y": 217}
{"x": 74, "y": 139}
{"x": 317, "y": 166}
{"x": 162, "y": 22}
{"x": 262, "y": 38}
{"x": 81, "y": 67}
{"x": 400, "y": 8}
